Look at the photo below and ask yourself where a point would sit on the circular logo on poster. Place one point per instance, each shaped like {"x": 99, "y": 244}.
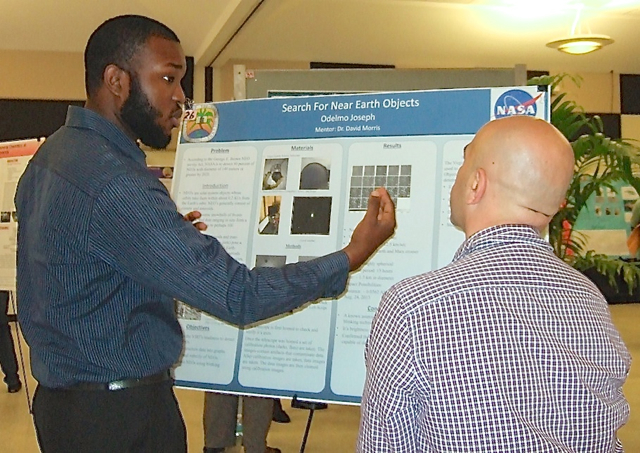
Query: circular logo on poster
{"x": 515, "y": 102}
{"x": 200, "y": 123}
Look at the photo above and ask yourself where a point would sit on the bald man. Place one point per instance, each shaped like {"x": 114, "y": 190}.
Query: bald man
{"x": 507, "y": 348}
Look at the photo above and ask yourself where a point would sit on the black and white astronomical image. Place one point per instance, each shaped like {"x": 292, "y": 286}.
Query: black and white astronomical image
{"x": 365, "y": 178}
{"x": 311, "y": 215}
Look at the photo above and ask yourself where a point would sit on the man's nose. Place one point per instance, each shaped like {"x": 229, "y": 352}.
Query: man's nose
{"x": 178, "y": 95}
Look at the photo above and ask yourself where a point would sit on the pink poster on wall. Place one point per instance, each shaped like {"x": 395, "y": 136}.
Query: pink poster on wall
{"x": 14, "y": 157}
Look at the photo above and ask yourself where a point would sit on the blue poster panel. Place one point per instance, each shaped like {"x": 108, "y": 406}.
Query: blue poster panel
{"x": 283, "y": 180}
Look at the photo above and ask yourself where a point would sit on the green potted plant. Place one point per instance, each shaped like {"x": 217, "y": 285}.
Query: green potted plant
{"x": 600, "y": 163}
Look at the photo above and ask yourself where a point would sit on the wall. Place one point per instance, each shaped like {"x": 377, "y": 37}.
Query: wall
{"x": 54, "y": 75}
{"x": 59, "y": 75}
{"x": 595, "y": 93}
{"x": 223, "y": 76}
{"x": 41, "y": 75}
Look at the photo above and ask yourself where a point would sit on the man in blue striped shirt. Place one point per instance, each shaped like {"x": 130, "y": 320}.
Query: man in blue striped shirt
{"x": 102, "y": 253}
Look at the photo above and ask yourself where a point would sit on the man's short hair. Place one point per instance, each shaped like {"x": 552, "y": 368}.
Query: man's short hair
{"x": 116, "y": 41}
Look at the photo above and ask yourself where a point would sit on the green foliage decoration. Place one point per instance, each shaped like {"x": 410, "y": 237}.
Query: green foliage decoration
{"x": 599, "y": 162}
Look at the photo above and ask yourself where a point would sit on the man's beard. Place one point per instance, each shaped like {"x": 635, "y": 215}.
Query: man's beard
{"x": 141, "y": 117}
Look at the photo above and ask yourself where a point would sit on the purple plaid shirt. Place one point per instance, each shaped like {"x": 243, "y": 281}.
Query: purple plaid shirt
{"x": 505, "y": 349}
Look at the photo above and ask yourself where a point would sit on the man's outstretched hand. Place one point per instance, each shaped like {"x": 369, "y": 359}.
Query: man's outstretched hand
{"x": 376, "y": 227}
{"x": 194, "y": 217}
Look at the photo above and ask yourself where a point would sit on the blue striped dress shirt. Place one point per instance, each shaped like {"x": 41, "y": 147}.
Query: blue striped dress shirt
{"x": 103, "y": 251}
{"x": 507, "y": 349}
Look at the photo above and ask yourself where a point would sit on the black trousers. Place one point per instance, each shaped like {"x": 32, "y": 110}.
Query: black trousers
{"x": 135, "y": 420}
{"x": 8, "y": 361}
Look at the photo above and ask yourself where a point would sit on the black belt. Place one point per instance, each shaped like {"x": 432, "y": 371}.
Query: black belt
{"x": 122, "y": 384}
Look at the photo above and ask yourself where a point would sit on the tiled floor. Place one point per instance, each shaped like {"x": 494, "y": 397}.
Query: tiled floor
{"x": 332, "y": 430}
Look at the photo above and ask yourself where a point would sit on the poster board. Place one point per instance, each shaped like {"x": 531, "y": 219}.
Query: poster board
{"x": 282, "y": 180}
{"x": 14, "y": 157}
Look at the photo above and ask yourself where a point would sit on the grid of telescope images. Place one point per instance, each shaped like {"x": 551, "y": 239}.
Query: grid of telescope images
{"x": 365, "y": 178}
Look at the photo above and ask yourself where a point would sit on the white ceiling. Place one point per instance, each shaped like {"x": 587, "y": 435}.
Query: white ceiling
{"x": 406, "y": 33}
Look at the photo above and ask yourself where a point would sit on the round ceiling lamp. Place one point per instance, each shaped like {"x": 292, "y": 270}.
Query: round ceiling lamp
{"x": 580, "y": 44}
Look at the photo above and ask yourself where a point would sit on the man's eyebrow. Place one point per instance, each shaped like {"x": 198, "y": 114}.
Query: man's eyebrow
{"x": 464, "y": 150}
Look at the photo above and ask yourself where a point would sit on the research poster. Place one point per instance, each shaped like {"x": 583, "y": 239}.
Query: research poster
{"x": 14, "y": 157}
{"x": 283, "y": 180}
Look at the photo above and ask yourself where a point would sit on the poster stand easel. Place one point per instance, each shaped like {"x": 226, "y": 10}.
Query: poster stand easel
{"x": 312, "y": 406}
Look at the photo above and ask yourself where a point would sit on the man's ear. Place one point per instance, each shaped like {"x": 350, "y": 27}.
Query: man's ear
{"x": 117, "y": 81}
{"x": 478, "y": 186}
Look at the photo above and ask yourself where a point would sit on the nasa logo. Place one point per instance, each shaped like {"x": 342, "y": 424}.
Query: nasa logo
{"x": 515, "y": 102}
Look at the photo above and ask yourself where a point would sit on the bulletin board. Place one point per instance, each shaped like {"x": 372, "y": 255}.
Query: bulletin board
{"x": 283, "y": 180}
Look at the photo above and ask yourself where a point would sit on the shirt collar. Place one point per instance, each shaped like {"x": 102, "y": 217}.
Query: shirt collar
{"x": 498, "y": 235}
{"x": 83, "y": 118}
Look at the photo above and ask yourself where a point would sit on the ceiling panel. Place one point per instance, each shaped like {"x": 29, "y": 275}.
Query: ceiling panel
{"x": 407, "y": 33}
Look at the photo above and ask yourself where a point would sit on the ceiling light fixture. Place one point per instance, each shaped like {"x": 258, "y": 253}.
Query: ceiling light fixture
{"x": 579, "y": 43}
